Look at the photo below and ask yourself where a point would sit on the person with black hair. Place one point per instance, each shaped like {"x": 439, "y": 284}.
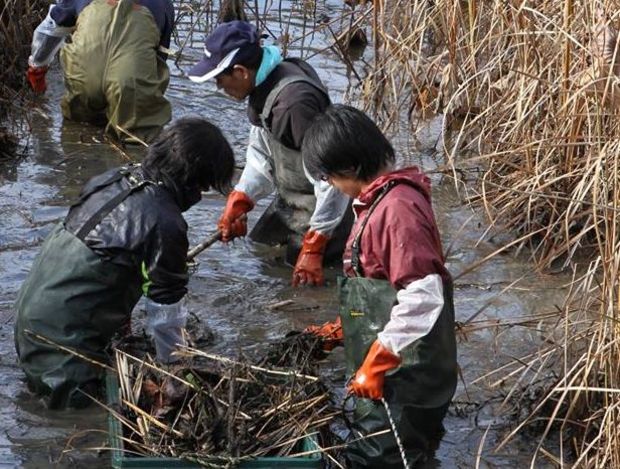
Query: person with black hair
{"x": 124, "y": 238}
{"x": 284, "y": 95}
{"x": 396, "y": 318}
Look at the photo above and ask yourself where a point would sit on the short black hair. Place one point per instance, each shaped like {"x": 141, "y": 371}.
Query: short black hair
{"x": 249, "y": 56}
{"x": 193, "y": 153}
{"x": 343, "y": 141}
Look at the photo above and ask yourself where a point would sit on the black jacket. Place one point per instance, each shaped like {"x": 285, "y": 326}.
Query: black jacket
{"x": 146, "y": 232}
{"x": 296, "y": 105}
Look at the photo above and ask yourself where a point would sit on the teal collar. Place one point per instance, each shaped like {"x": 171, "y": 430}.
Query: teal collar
{"x": 271, "y": 59}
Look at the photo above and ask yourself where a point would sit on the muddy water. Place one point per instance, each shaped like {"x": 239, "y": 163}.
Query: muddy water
{"x": 234, "y": 286}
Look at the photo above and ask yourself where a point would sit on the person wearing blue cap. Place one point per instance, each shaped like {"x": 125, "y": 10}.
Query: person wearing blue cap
{"x": 113, "y": 72}
{"x": 284, "y": 96}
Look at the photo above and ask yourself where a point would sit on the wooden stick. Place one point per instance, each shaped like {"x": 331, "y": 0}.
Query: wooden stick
{"x": 151, "y": 419}
{"x": 192, "y": 351}
{"x": 129, "y": 134}
{"x": 193, "y": 252}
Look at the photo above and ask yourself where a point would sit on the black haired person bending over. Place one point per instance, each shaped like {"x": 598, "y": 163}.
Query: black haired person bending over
{"x": 124, "y": 238}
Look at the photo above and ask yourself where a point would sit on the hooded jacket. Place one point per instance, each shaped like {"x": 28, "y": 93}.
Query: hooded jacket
{"x": 401, "y": 243}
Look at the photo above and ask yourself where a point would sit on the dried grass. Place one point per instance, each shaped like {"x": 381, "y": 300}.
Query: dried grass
{"x": 530, "y": 92}
{"x": 18, "y": 19}
{"x": 218, "y": 411}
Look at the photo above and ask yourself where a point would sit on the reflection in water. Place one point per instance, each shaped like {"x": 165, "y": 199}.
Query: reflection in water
{"x": 235, "y": 286}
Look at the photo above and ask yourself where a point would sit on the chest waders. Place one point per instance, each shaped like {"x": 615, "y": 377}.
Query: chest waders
{"x": 112, "y": 72}
{"x": 75, "y": 299}
{"x": 418, "y": 392}
{"x": 287, "y": 218}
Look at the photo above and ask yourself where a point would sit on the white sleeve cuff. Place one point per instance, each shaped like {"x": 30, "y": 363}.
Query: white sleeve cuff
{"x": 331, "y": 205}
{"x": 419, "y": 305}
{"x": 47, "y": 39}
{"x": 257, "y": 177}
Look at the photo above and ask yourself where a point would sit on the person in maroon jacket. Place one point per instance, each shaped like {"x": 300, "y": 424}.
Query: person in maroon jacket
{"x": 396, "y": 309}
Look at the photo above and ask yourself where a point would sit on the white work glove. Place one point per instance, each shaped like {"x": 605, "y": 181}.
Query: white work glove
{"x": 165, "y": 324}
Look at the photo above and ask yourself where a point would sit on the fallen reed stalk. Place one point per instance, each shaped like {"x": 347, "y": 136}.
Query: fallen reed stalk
{"x": 185, "y": 411}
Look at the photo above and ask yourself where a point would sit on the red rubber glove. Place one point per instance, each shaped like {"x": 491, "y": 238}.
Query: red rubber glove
{"x": 309, "y": 267}
{"x": 368, "y": 381}
{"x": 233, "y": 223}
{"x": 330, "y": 332}
{"x": 36, "y": 78}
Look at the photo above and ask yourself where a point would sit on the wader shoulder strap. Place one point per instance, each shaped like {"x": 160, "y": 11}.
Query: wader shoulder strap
{"x": 136, "y": 183}
{"x": 117, "y": 176}
{"x": 355, "y": 247}
{"x": 275, "y": 92}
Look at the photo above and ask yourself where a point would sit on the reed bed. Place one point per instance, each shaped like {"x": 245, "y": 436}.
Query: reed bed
{"x": 529, "y": 94}
{"x": 218, "y": 411}
{"x": 528, "y": 90}
{"x": 18, "y": 18}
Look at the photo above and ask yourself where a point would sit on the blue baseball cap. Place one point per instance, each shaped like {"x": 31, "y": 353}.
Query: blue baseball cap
{"x": 222, "y": 47}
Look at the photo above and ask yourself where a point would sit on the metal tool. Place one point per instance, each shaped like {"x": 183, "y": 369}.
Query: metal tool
{"x": 398, "y": 442}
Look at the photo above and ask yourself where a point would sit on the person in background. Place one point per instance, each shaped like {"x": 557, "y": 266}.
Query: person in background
{"x": 284, "y": 96}
{"x": 113, "y": 72}
{"x": 396, "y": 317}
{"x": 124, "y": 238}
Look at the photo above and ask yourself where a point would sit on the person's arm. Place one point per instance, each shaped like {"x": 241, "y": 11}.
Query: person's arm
{"x": 414, "y": 263}
{"x": 255, "y": 183}
{"x": 49, "y": 36}
{"x": 47, "y": 39}
{"x": 168, "y": 24}
{"x": 165, "y": 277}
{"x": 257, "y": 178}
{"x": 330, "y": 208}
{"x": 163, "y": 14}
{"x": 416, "y": 312}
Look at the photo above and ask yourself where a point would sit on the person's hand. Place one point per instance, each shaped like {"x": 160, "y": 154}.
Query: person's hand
{"x": 233, "y": 222}
{"x": 309, "y": 266}
{"x": 36, "y": 78}
{"x": 369, "y": 379}
{"x": 331, "y": 334}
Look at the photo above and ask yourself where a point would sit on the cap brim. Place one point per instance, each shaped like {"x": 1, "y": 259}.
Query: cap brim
{"x": 206, "y": 69}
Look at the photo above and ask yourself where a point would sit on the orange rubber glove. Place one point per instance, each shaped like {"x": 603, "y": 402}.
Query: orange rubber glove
{"x": 36, "y": 78}
{"x": 330, "y": 332}
{"x": 233, "y": 223}
{"x": 309, "y": 267}
{"x": 368, "y": 381}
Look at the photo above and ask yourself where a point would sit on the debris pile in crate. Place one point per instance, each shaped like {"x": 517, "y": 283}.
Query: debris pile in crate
{"x": 217, "y": 411}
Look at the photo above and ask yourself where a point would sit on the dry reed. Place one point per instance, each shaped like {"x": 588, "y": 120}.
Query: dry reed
{"x": 18, "y": 18}
{"x": 529, "y": 91}
{"x": 218, "y": 411}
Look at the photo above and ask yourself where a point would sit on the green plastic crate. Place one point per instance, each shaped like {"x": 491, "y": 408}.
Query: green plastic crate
{"x": 120, "y": 459}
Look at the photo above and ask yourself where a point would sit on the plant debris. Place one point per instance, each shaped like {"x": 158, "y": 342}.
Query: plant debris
{"x": 217, "y": 411}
